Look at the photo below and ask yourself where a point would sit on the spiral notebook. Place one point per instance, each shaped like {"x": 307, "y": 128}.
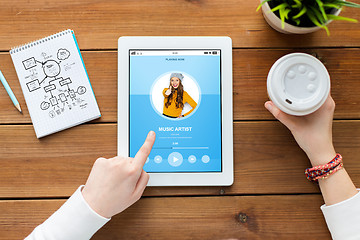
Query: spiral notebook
{"x": 55, "y": 83}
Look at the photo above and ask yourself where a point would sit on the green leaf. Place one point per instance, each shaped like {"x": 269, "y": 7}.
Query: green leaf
{"x": 262, "y": 3}
{"x": 302, "y": 12}
{"x": 286, "y": 12}
{"x": 280, "y": 6}
{"x": 312, "y": 17}
{"x": 297, "y": 21}
{"x": 331, "y": 5}
{"x": 346, "y": 4}
{"x": 297, "y": 4}
{"x": 282, "y": 17}
{"x": 322, "y": 10}
{"x": 334, "y": 17}
{"x": 318, "y": 15}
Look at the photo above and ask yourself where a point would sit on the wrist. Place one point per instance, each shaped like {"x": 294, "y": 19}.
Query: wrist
{"x": 92, "y": 200}
{"x": 322, "y": 157}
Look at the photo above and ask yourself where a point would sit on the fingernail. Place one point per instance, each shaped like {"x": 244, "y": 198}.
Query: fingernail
{"x": 268, "y": 106}
{"x": 151, "y": 134}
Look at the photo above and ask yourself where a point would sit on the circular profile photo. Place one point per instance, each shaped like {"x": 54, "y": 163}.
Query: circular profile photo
{"x": 175, "y": 95}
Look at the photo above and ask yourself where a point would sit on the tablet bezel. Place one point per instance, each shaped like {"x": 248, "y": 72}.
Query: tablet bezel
{"x": 224, "y": 178}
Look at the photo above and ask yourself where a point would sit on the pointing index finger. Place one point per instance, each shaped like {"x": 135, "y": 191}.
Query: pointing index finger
{"x": 144, "y": 151}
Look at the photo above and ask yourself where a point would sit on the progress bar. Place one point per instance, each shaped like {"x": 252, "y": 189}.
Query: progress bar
{"x": 181, "y": 148}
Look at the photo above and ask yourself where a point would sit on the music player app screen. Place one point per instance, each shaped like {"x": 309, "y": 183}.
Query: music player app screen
{"x": 177, "y": 94}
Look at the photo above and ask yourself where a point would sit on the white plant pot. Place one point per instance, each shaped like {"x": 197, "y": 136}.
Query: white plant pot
{"x": 275, "y": 22}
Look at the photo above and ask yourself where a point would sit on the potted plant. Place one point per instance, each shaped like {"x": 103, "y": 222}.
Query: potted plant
{"x": 303, "y": 16}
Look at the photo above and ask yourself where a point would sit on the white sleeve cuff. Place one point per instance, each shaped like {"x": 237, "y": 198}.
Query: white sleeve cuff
{"x": 75, "y": 219}
{"x": 343, "y": 218}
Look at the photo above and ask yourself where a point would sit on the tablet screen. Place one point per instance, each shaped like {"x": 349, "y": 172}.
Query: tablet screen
{"x": 177, "y": 94}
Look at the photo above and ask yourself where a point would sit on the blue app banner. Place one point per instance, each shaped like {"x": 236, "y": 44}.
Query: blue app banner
{"x": 188, "y": 144}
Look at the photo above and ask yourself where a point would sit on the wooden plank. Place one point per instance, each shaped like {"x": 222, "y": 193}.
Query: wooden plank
{"x": 268, "y": 217}
{"x": 250, "y": 72}
{"x": 251, "y": 68}
{"x": 99, "y": 24}
{"x": 267, "y": 160}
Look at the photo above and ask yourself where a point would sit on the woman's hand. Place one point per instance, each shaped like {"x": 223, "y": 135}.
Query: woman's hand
{"x": 168, "y": 92}
{"x": 115, "y": 184}
{"x": 312, "y": 132}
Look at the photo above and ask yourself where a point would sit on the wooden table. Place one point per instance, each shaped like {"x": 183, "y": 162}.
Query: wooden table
{"x": 270, "y": 198}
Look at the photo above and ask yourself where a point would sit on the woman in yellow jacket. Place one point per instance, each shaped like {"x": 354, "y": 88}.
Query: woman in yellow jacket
{"x": 175, "y": 97}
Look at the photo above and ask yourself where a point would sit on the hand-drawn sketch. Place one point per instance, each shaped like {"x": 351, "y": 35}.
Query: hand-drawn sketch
{"x": 60, "y": 92}
{"x": 44, "y": 105}
{"x": 33, "y": 85}
{"x": 63, "y": 54}
{"x": 29, "y": 63}
{"x": 52, "y": 114}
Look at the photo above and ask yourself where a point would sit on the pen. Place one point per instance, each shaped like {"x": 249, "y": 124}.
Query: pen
{"x": 10, "y": 92}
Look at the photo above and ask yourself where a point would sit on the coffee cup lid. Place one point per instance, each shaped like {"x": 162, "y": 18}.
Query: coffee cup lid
{"x": 298, "y": 84}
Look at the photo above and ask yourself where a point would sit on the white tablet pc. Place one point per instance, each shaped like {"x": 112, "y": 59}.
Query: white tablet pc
{"x": 181, "y": 88}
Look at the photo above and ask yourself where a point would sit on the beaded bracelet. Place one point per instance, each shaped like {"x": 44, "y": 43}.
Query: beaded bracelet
{"x": 338, "y": 167}
{"x": 324, "y": 171}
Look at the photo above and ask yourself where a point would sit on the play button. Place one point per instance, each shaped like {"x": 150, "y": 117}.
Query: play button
{"x": 175, "y": 159}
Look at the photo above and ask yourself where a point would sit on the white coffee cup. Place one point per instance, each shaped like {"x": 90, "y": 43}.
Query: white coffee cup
{"x": 298, "y": 84}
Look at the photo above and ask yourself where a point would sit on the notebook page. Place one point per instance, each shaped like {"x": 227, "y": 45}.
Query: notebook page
{"x": 55, "y": 83}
